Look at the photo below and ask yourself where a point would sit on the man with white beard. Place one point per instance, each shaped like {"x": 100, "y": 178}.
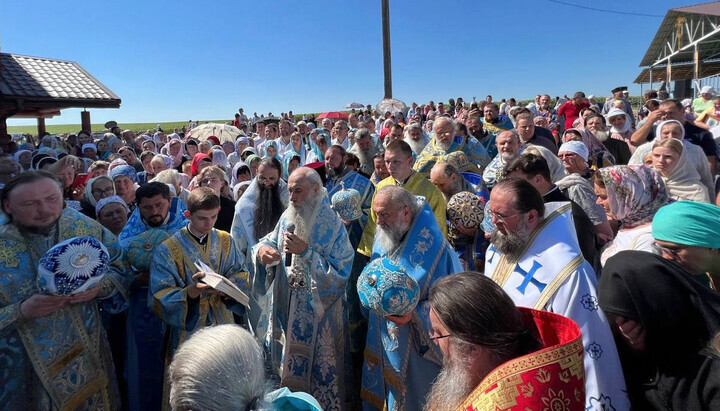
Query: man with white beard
{"x": 535, "y": 257}
{"x": 365, "y": 148}
{"x": 444, "y": 142}
{"x": 509, "y": 146}
{"x": 597, "y": 125}
{"x": 400, "y": 360}
{"x": 481, "y": 333}
{"x": 415, "y": 137}
{"x": 306, "y": 261}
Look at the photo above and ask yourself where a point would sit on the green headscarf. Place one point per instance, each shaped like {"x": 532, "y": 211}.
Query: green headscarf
{"x": 688, "y": 223}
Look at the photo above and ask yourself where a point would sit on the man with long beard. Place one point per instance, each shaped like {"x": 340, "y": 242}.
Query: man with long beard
{"x": 481, "y": 334}
{"x": 444, "y": 142}
{"x": 306, "y": 262}
{"x": 365, "y": 148}
{"x": 55, "y": 354}
{"x": 415, "y": 137}
{"x": 144, "y": 366}
{"x": 535, "y": 257}
{"x": 400, "y": 360}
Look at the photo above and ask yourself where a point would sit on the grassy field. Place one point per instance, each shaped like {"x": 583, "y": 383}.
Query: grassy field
{"x": 74, "y": 128}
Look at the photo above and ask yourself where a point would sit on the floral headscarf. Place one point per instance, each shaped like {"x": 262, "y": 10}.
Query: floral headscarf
{"x": 635, "y": 193}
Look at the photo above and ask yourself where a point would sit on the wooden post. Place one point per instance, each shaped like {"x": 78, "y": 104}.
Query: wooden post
{"x": 41, "y": 126}
{"x": 4, "y": 136}
{"x": 387, "y": 69}
{"x": 85, "y": 120}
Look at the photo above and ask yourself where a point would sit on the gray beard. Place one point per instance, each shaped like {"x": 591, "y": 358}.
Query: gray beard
{"x": 511, "y": 244}
{"x": 417, "y": 146}
{"x": 443, "y": 145}
{"x": 507, "y": 157}
{"x": 302, "y": 215}
{"x": 452, "y": 386}
{"x": 601, "y": 135}
{"x": 389, "y": 239}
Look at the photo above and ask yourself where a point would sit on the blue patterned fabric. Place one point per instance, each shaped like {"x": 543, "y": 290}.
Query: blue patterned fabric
{"x": 475, "y": 160}
{"x": 136, "y": 225}
{"x": 400, "y": 361}
{"x": 351, "y": 179}
{"x": 63, "y": 359}
{"x": 306, "y": 335}
{"x": 387, "y": 289}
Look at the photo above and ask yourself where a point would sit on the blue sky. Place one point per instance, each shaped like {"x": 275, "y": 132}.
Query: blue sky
{"x": 177, "y": 60}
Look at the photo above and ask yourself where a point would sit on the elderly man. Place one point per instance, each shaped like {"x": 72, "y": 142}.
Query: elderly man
{"x": 469, "y": 242}
{"x": 179, "y": 297}
{"x": 509, "y": 146}
{"x": 415, "y": 137}
{"x": 444, "y": 142}
{"x": 530, "y": 134}
{"x": 494, "y": 123}
{"x": 474, "y": 126}
{"x": 365, "y": 148}
{"x": 673, "y": 110}
{"x": 400, "y": 360}
{"x": 306, "y": 327}
{"x": 284, "y": 140}
{"x": 399, "y": 161}
{"x": 535, "y": 257}
{"x": 144, "y": 366}
{"x": 54, "y": 349}
{"x": 480, "y": 332}
{"x": 686, "y": 232}
{"x": 339, "y": 134}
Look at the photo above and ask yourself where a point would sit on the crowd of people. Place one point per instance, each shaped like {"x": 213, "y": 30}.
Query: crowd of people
{"x": 563, "y": 254}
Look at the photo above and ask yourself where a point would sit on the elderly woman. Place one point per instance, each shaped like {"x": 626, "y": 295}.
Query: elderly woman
{"x": 95, "y": 190}
{"x": 630, "y": 195}
{"x": 598, "y": 155}
{"x": 175, "y": 151}
{"x": 124, "y": 178}
{"x": 66, "y": 169}
{"x": 681, "y": 179}
{"x": 215, "y": 178}
{"x": 112, "y": 213}
{"x": 24, "y": 158}
{"x": 161, "y": 162}
{"x": 574, "y": 156}
{"x": 621, "y": 126}
{"x": 175, "y": 179}
{"x": 664, "y": 321}
{"x": 241, "y": 144}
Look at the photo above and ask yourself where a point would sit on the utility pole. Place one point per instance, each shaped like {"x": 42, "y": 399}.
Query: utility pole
{"x": 386, "y": 47}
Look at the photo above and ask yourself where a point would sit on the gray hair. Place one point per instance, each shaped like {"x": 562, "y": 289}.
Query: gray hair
{"x": 400, "y": 197}
{"x": 218, "y": 368}
{"x": 169, "y": 176}
{"x": 362, "y": 133}
{"x": 411, "y": 126}
{"x": 443, "y": 119}
{"x": 307, "y": 173}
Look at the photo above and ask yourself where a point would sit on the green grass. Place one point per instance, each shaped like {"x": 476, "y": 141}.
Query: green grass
{"x": 168, "y": 127}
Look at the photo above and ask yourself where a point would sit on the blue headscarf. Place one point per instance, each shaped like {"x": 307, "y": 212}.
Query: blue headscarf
{"x": 273, "y": 144}
{"x": 124, "y": 170}
{"x": 289, "y": 156}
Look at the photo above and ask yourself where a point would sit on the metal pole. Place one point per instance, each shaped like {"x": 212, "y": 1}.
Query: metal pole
{"x": 386, "y": 47}
{"x": 696, "y": 71}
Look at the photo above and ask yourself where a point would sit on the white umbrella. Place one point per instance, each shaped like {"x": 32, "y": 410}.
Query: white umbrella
{"x": 353, "y": 105}
{"x": 223, "y": 132}
{"x": 392, "y": 105}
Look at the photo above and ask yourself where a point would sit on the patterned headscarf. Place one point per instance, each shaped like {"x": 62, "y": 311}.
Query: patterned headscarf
{"x": 635, "y": 193}
{"x": 127, "y": 171}
{"x": 109, "y": 200}
{"x": 88, "y": 195}
{"x": 169, "y": 163}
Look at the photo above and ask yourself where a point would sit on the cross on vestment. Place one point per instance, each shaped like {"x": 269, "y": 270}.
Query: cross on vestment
{"x": 529, "y": 278}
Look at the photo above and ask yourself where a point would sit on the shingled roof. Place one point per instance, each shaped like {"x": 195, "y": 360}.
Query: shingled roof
{"x": 47, "y": 83}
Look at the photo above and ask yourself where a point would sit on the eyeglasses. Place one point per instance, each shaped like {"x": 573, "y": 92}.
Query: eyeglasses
{"x": 439, "y": 337}
{"x": 501, "y": 218}
{"x": 107, "y": 191}
{"x": 674, "y": 252}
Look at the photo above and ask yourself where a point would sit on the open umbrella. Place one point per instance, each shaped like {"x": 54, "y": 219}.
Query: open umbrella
{"x": 353, "y": 105}
{"x": 392, "y": 105}
{"x": 223, "y": 132}
{"x": 334, "y": 115}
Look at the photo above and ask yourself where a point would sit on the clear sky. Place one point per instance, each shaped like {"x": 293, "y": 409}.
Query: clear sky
{"x": 180, "y": 60}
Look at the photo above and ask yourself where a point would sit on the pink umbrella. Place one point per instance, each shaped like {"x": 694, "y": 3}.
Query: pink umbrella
{"x": 334, "y": 115}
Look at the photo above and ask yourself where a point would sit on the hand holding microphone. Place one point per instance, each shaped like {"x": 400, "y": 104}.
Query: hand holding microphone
{"x": 293, "y": 244}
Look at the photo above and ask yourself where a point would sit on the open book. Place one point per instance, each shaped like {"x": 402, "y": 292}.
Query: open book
{"x": 222, "y": 284}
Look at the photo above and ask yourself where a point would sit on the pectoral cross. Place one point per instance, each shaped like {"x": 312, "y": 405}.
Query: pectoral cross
{"x": 529, "y": 278}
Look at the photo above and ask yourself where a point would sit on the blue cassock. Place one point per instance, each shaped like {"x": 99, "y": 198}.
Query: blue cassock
{"x": 401, "y": 362}
{"x": 144, "y": 366}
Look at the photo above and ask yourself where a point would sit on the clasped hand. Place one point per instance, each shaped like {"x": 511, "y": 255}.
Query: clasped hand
{"x": 197, "y": 287}
{"x": 42, "y": 305}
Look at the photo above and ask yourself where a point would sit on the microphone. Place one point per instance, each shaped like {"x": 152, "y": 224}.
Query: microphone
{"x": 288, "y": 256}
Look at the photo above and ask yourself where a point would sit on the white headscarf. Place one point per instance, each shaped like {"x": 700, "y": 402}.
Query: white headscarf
{"x": 617, "y": 112}
{"x": 683, "y": 182}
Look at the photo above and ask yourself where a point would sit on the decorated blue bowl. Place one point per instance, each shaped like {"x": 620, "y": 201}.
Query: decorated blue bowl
{"x": 348, "y": 204}
{"x": 73, "y": 266}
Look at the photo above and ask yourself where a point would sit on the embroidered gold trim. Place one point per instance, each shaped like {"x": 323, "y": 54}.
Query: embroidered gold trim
{"x": 558, "y": 281}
